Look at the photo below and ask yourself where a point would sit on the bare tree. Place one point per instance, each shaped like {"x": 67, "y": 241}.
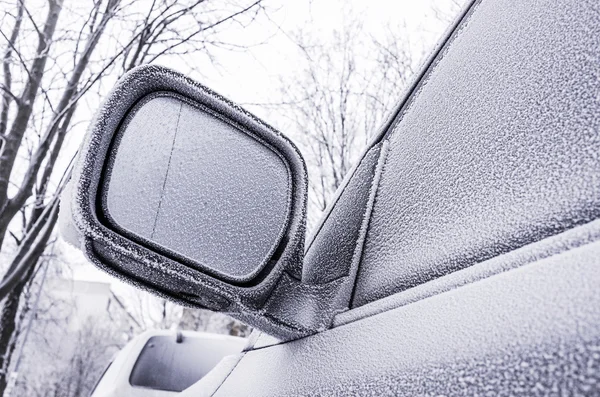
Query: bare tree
{"x": 347, "y": 85}
{"x": 208, "y": 321}
{"x": 447, "y": 10}
{"x": 144, "y": 311}
{"x": 65, "y": 338}
{"x": 50, "y": 66}
{"x": 73, "y": 370}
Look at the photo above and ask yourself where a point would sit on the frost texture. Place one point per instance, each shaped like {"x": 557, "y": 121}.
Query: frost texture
{"x": 566, "y": 371}
{"x": 332, "y": 251}
{"x": 533, "y": 330}
{"x": 499, "y": 148}
{"x": 194, "y": 184}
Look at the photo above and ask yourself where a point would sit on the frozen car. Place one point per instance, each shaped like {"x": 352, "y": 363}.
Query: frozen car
{"x": 461, "y": 256}
{"x": 162, "y": 363}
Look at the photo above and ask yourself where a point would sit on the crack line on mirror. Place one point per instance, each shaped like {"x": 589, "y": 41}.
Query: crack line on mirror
{"x": 162, "y": 194}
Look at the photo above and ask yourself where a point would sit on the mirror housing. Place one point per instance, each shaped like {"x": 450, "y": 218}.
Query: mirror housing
{"x": 124, "y": 206}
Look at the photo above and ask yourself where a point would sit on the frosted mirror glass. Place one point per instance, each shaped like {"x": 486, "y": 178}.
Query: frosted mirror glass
{"x": 183, "y": 180}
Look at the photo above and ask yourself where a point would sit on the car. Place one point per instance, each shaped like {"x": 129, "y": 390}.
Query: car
{"x": 162, "y": 363}
{"x": 461, "y": 255}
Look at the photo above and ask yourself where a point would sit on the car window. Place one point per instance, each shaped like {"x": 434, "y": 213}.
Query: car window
{"x": 497, "y": 148}
{"x": 165, "y": 364}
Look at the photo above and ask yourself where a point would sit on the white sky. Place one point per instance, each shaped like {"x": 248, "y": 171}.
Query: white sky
{"x": 251, "y": 76}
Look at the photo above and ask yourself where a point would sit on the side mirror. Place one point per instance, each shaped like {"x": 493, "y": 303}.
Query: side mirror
{"x": 183, "y": 193}
{"x": 197, "y": 187}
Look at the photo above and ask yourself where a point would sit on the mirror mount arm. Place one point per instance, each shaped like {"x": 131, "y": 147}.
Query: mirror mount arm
{"x": 310, "y": 307}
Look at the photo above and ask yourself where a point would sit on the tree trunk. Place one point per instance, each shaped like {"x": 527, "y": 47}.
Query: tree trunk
{"x": 10, "y": 309}
{"x": 8, "y": 332}
{"x": 13, "y": 140}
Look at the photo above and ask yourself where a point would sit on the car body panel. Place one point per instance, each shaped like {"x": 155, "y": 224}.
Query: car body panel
{"x": 532, "y": 329}
{"x": 498, "y": 149}
{"x": 488, "y": 282}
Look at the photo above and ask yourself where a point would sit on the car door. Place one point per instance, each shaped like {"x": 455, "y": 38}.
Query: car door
{"x": 470, "y": 227}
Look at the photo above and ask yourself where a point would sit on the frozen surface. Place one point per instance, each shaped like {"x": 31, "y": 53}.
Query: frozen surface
{"x": 528, "y": 331}
{"x": 332, "y": 251}
{"x": 572, "y": 238}
{"x": 499, "y": 147}
{"x": 140, "y": 167}
{"x": 134, "y": 263}
{"x": 208, "y": 385}
{"x": 566, "y": 371}
{"x": 198, "y": 186}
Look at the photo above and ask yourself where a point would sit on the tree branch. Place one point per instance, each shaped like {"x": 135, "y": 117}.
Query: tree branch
{"x": 21, "y": 121}
{"x": 6, "y": 60}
